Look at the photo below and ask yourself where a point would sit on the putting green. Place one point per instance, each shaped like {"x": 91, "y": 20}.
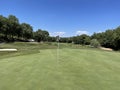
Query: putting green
{"x": 76, "y": 69}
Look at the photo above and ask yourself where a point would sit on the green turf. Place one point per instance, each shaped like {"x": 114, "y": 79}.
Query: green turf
{"x": 76, "y": 69}
{"x": 24, "y": 48}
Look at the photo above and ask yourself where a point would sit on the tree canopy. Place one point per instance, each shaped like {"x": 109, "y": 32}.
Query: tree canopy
{"x": 11, "y": 30}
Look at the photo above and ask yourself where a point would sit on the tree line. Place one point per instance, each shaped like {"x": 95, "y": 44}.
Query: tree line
{"x": 12, "y": 30}
{"x": 109, "y": 39}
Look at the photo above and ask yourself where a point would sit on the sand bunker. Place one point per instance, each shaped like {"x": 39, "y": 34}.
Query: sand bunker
{"x": 8, "y": 49}
{"x": 107, "y": 49}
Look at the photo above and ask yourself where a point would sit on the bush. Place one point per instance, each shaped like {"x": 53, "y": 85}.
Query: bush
{"x": 94, "y": 43}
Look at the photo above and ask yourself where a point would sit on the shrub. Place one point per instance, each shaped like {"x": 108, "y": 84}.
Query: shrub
{"x": 94, "y": 43}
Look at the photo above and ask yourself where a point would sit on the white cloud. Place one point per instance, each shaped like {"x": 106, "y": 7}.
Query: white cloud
{"x": 82, "y": 32}
{"x": 100, "y": 31}
{"x": 57, "y": 33}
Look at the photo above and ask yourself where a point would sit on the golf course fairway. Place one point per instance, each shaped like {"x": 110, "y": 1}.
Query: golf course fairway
{"x": 75, "y": 69}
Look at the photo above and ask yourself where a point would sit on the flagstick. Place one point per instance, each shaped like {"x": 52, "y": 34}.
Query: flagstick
{"x": 58, "y": 52}
{"x": 58, "y": 46}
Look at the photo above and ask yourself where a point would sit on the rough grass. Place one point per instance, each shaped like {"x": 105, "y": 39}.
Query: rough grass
{"x": 76, "y": 69}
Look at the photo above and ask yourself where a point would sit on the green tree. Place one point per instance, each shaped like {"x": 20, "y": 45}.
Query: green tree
{"x": 82, "y": 39}
{"x": 85, "y": 39}
{"x": 41, "y": 35}
{"x": 109, "y": 39}
{"x": 13, "y": 26}
{"x": 99, "y": 36}
{"x": 1, "y": 23}
{"x": 4, "y": 27}
{"x": 51, "y": 39}
{"x": 45, "y": 35}
{"x": 27, "y": 31}
{"x": 117, "y": 38}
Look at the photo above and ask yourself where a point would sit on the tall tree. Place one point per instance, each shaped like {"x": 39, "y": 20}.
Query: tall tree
{"x": 27, "y": 31}
{"x": 117, "y": 38}
{"x": 41, "y": 35}
{"x": 4, "y": 27}
{"x": 45, "y": 35}
{"x": 13, "y": 25}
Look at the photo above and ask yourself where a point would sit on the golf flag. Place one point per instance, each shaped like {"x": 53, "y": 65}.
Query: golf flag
{"x": 57, "y": 38}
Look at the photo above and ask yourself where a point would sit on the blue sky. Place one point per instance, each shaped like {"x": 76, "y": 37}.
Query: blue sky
{"x": 68, "y": 17}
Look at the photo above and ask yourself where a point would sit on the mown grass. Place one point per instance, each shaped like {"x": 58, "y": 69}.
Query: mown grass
{"x": 24, "y": 48}
{"x": 76, "y": 69}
